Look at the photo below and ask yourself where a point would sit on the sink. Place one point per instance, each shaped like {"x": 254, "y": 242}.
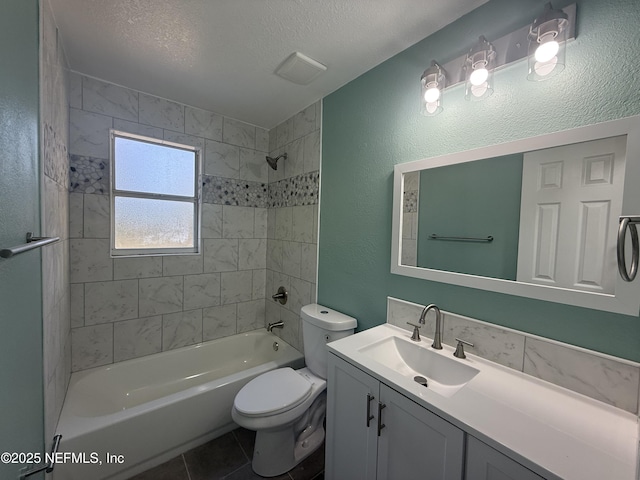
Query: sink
{"x": 444, "y": 375}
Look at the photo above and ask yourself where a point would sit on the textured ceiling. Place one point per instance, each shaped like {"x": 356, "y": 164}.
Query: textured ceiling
{"x": 221, "y": 55}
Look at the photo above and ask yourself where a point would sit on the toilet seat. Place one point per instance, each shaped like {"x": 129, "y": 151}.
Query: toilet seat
{"x": 272, "y": 393}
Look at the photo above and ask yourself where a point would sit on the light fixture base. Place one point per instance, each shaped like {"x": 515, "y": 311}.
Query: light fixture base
{"x": 509, "y": 49}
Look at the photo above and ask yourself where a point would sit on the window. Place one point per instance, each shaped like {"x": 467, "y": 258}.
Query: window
{"x": 155, "y": 207}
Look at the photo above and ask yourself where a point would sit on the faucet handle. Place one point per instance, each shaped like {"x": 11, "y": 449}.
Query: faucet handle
{"x": 459, "y": 353}
{"x": 416, "y": 331}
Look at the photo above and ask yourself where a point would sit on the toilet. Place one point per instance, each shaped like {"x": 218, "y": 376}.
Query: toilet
{"x": 287, "y": 407}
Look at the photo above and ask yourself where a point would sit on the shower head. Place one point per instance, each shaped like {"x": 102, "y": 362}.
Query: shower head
{"x": 273, "y": 162}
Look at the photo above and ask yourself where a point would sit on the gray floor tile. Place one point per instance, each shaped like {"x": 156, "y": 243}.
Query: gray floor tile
{"x": 246, "y": 473}
{"x": 246, "y": 439}
{"x": 174, "y": 469}
{"x": 215, "y": 459}
{"x": 229, "y": 458}
{"x": 310, "y": 466}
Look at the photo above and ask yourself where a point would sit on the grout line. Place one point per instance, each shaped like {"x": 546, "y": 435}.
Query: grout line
{"x": 235, "y": 437}
{"x": 186, "y": 467}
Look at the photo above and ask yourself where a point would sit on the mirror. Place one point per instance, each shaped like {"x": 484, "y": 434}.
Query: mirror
{"x": 536, "y": 217}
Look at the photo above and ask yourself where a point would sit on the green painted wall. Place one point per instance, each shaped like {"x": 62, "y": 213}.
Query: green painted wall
{"x": 21, "y": 387}
{"x": 474, "y": 199}
{"x": 373, "y": 123}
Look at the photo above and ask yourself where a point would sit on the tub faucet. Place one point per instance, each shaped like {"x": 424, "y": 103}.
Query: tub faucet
{"x": 437, "y": 336}
{"x": 273, "y": 325}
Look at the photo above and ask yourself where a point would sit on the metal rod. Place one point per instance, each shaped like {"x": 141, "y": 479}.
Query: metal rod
{"x": 32, "y": 242}
{"x": 49, "y": 464}
{"x": 369, "y": 416}
{"x": 381, "y": 406}
{"x": 433, "y": 236}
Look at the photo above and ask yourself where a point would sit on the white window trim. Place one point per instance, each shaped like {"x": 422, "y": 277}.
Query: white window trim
{"x": 196, "y": 199}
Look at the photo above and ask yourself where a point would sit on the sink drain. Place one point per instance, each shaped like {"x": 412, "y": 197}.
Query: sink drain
{"x": 421, "y": 380}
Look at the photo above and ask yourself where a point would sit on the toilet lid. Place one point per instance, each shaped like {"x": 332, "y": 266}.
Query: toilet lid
{"x": 272, "y": 392}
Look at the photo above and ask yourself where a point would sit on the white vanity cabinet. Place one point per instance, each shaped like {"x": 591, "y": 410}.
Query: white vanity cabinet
{"x": 486, "y": 463}
{"x": 373, "y": 432}
{"x": 492, "y": 423}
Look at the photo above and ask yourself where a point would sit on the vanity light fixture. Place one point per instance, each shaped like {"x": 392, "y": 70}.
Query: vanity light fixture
{"x": 541, "y": 42}
{"x": 478, "y": 69}
{"x": 433, "y": 82}
{"x": 547, "y": 37}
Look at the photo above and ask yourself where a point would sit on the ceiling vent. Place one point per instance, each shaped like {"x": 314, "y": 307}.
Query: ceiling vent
{"x": 300, "y": 69}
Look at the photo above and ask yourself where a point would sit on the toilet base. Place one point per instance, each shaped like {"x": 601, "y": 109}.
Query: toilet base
{"x": 277, "y": 451}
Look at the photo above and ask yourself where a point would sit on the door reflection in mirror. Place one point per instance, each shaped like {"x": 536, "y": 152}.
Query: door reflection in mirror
{"x": 552, "y": 213}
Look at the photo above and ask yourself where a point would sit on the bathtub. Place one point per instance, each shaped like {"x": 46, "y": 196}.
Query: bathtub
{"x": 121, "y": 419}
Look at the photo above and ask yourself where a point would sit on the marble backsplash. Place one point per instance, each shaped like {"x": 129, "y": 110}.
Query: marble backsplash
{"x": 605, "y": 378}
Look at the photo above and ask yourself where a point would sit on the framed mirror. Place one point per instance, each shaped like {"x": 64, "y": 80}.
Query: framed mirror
{"x": 536, "y": 217}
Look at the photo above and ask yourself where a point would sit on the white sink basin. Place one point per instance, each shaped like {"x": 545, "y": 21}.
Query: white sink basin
{"x": 444, "y": 375}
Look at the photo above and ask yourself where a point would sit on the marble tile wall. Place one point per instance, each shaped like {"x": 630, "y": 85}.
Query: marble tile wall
{"x": 293, "y": 219}
{"x": 605, "y": 378}
{"x": 54, "y": 128}
{"x": 410, "y": 218}
{"x": 124, "y": 308}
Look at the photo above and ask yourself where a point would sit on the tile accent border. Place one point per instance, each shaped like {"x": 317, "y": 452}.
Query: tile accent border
{"x": 609, "y": 379}
{"x": 88, "y": 175}
{"x": 410, "y": 202}
{"x": 91, "y": 175}
{"x": 295, "y": 191}
{"x": 230, "y": 191}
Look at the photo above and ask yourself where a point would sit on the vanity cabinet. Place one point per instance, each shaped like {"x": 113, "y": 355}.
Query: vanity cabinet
{"x": 486, "y": 463}
{"x": 374, "y": 432}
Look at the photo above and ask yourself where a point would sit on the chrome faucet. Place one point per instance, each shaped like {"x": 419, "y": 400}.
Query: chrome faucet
{"x": 437, "y": 336}
{"x": 273, "y": 325}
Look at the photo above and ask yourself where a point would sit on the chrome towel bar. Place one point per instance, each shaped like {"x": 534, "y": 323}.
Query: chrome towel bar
{"x": 433, "y": 236}
{"x": 32, "y": 242}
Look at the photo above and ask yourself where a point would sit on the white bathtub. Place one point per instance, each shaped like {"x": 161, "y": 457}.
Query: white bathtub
{"x": 147, "y": 410}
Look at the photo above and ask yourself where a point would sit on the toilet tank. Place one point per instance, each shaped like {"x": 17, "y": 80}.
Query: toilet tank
{"x": 321, "y": 325}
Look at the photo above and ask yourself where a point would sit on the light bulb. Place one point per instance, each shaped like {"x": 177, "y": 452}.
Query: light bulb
{"x": 479, "y": 76}
{"x": 547, "y": 51}
{"x": 431, "y": 107}
{"x": 479, "y": 90}
{"x": 432, "y": 95}
{"x": 544, "y": 69}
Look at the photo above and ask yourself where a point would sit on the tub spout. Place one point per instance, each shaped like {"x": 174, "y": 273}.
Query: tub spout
{"x": 273, "y": 325}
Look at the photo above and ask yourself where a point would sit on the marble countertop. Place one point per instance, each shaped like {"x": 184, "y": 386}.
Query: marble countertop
{"x": 557, "y": 433}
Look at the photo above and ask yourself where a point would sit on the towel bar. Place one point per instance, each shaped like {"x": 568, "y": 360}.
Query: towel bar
{"x": 32, "y": 242}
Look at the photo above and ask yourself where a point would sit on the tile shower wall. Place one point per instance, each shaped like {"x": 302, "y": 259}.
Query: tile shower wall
{"x": 293, "y": 219}
{"x": 410, "y": 218}
{"x": 129, "y": 307}
{"x": 54, "y": 134}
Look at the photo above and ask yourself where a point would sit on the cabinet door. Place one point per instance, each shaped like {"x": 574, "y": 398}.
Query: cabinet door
{"x": 486, "y": 463}
{"x": 415, "y": 443}
{"x": 351, "y": 444}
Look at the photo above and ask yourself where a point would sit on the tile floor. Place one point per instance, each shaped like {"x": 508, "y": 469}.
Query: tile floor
{"x": 228, "y": 458}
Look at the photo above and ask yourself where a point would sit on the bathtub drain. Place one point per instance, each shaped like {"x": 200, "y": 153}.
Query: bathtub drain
{"x": 276, "y": 346}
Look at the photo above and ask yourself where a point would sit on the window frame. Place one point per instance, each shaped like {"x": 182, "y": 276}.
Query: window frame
{"x": 196, "y": 199}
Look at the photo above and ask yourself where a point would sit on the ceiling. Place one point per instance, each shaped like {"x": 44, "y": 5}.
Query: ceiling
{"x": 221, "y": 55}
